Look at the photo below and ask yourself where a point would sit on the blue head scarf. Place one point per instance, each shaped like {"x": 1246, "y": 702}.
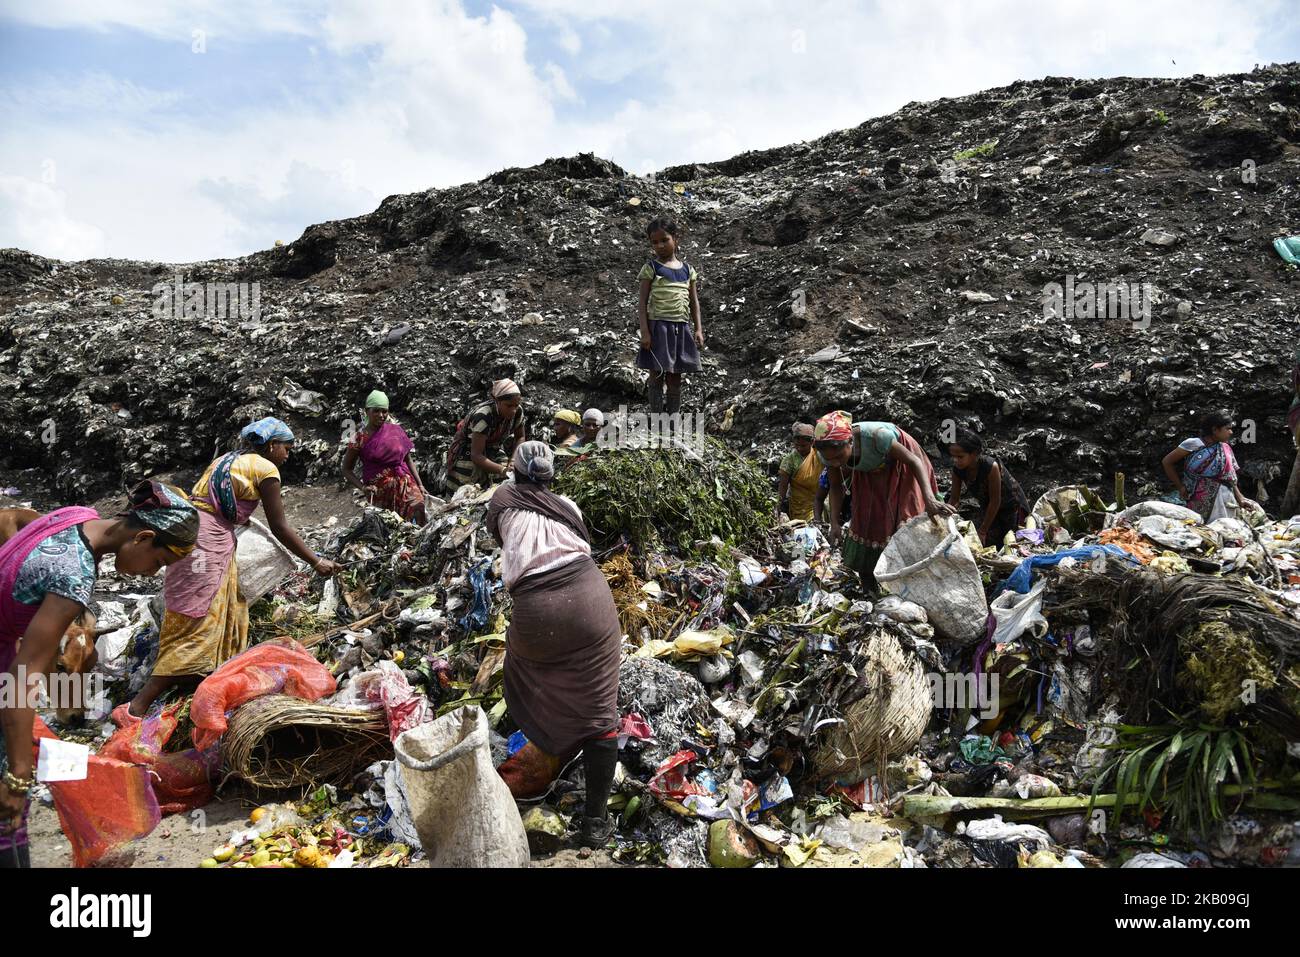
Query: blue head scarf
{"x": 266, "y": 430}
{"x": 260, "y": 432}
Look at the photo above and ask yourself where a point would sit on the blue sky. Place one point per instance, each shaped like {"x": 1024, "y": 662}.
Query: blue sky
{"x": 125, "y": 133}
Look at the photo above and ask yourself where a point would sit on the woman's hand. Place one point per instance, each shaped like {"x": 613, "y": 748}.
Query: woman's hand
{"x": 937, "y": 509}
{"x": 699, "y": 337}
{"x": 645, "y": 341}
{"x": 325, "y": 568}
{"x": 11, "y": 807}
{"x": 984, "y": 535}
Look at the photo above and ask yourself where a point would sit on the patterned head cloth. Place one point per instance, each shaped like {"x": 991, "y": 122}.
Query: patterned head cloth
{"x": 534, "y": 460}
{"x": 568, "y": 415}
{"x": 834, "y": 427}
{"x": 593, "y": 417}
{"x": 802, "y": 430}
{"x": 266, "y": 430}
{"x": 376, "y": 400}
{"x": 504, "y": 389}
{"x": 167, "y": 512}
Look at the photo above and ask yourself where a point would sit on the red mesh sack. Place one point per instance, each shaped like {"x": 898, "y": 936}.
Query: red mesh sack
{"x": 268, "y": 668}
{"x": 102, "y": 814}
{"x": 141, "y": 740}
{"x": 182, "y": 780}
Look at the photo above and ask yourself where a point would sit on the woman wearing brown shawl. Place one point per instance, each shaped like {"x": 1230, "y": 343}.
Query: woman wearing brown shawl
{"x": 563, "y": 647}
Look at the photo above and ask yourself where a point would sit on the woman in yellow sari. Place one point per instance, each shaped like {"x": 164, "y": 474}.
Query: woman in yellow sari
{"x": 799, "y": 473}
{"x": 206, "y": 621}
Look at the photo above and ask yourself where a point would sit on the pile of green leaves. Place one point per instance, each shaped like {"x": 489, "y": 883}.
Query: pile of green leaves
{"x": 667, "y": 498}
{"x": 1181, "y": 770}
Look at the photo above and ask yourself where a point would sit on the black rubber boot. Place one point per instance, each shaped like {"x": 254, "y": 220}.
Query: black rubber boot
{"x": 672, "y": 405}
{"x": 656, "y": 393}
{"x": 599, "y": 758}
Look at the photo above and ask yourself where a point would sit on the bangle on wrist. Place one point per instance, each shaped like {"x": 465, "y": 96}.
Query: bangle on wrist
{"x": 18, "y": 785}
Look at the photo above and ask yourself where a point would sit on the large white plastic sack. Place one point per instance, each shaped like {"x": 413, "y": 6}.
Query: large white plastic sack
{"x": 931, "y": 565}
{"x": 463, "y": 811}
{"x": 262, "y": 561}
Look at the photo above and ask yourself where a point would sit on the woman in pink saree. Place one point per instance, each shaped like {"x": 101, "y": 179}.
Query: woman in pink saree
{"x": 388, "y": 473}
{"x": 47, "y": 574}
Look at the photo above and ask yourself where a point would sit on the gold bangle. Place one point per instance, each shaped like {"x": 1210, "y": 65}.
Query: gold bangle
{"x": 18, "y": 785}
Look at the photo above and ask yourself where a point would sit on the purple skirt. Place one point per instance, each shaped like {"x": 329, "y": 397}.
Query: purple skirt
{"x": 672, "y": 348}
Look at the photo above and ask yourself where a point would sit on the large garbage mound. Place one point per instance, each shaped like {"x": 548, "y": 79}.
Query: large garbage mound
{"x": 896, "y": 269}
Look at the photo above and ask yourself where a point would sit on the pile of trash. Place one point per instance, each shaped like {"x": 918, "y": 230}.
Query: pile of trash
{"x": 1113, "y": 685}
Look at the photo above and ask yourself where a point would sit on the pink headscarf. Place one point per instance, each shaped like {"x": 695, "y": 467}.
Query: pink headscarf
{"x": 834, "y": 427}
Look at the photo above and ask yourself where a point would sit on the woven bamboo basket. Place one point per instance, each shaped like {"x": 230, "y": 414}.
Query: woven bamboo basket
{"x": 884, "y": 723}
{"x": 278, "y": 741}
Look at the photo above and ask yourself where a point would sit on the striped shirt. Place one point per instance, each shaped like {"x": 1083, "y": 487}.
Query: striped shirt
{"x": 670, "y": 290}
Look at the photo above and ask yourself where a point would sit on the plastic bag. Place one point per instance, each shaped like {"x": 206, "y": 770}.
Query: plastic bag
{"x": 262, "y": 562}
{"x": 182, "y": 781}
{"x": 932, "y": 566}
{"x": 1016, "y": 613}
{"x": 1021, "y": 579}
{"x": 271, "y": 667}
{"x": 1151, "y": 859}
{"x": 385, "y": 686}
{"x": 1156, "y": 507}
{"x": 996, "y": 829}
{"x": 670, "y": 778}
{"x": 1170, "y": 533}
{"x": 463, "y": 811}
{"x": 141, "y": 741}
{"x": 482, "y": 583}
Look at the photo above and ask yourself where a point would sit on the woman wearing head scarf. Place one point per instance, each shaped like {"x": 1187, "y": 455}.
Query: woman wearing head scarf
{"x": 567, "y": 426}
{"x": 892, "y": 481}
{"x": 47, "y": 573}
{"x": 593, "y": 420}
{"x": 484, "y": 438}
{"x": 206, "y": 620}
{"x": 1209, "y": 481}
{"x": 564, "y": 644}
{"x": 798, "y": 474}
{"x": 388, "y": 473}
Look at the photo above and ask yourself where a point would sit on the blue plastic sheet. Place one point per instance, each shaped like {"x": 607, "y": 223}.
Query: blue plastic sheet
{"x": 480, "y": 579}
{"x": 1022, "y": 578}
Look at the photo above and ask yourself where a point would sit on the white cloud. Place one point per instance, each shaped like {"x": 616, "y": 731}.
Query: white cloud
{"x": 558, "y": 84}
{"x": 445, "y": 97}
{"x": 171, "y": 19}
{"x": 95, "y": 92}
{"x": 40, "y": 222}
{"x": 569, "y": 40}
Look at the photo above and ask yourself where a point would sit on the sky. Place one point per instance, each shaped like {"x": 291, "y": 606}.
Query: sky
{"x": 182, "y": 131}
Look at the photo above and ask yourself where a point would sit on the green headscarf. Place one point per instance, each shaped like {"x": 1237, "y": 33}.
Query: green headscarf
{"x": 376, "y": 400}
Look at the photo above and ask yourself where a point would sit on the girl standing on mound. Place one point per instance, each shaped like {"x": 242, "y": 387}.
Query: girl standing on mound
{"x": 669, "y": 313}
